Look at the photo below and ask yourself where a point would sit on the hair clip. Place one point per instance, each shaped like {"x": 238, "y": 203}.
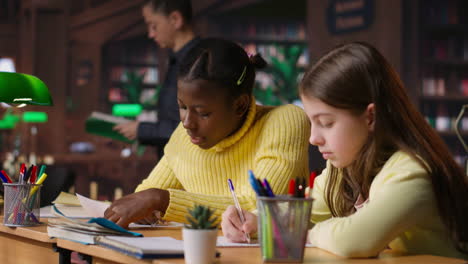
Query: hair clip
{"x": 242, "y": 77}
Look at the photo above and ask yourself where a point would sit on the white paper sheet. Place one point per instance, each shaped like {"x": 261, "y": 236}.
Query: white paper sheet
{"x": 97, "y": 209}
{"x": 69, "y": 211}
{"x": 222, "y": 241}
{"x": 169, "y": 225}
{"x": 93, "y": 207}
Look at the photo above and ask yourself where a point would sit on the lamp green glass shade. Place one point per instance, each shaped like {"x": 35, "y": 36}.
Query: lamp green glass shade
{"x": 19, "y": 88}
{"x": 34, "y": 117}
{"x": 127, "y": 110}
{"x": 7, "y": 124}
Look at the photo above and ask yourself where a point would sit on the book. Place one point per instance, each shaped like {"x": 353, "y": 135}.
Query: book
{"x": 68, "y": 199}
{"x": 70, "y": 211}
{"x": 78, "y": 206}
{"x": 68, "y": 204}
{"x": 144, "y": 247}
{"x": 102, "y": 124}
{"x": 97, "y": 209}
{"x": 83, "y": 231}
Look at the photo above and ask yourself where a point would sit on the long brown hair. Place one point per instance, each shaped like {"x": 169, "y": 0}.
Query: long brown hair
{"x": 351, "y": 77}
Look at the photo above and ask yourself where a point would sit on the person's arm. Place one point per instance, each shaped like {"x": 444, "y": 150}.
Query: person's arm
{"x": 150, "y": 196}
{"x": 283, "y": 151}
{"x": 233, "y": 228}
{"x": 403, "y": 199}
{"x": 282, "y": 155}
{"x": 320, "y": 209}
{"x": 128, "y": 129}
{"x": 156, "y": 133}
{"x": 161, "y": 177}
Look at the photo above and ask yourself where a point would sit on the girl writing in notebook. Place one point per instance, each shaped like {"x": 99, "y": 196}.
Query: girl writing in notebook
{"x": 223, "y": 133}
{"x": 390, "y": 181}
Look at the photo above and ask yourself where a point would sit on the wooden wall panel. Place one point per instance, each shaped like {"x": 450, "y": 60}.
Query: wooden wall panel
{"x": 384, "y": 33}
{"x": 9, "y": 40}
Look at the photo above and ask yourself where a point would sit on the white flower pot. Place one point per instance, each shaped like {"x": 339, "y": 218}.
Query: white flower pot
{"x": 199, "y": 245}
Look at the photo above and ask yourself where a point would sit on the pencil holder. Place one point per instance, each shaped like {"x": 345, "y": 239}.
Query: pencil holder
{"x": 283, "y": 225}
{"x": 21, "y": 204}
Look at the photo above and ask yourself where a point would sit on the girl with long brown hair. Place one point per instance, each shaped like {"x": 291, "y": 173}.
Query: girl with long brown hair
{"x": 390, "y": 181}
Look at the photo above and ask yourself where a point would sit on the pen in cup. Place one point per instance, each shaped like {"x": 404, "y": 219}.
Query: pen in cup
{"x": 239, "y": 209}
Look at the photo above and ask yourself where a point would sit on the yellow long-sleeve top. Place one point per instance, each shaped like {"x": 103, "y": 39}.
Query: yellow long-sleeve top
{"x": 272, "y": 142}
{"x": 401, "y": 213}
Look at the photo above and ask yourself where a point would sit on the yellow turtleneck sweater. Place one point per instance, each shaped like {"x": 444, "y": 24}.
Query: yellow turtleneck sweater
{"x": 401, "y": 213}
{"x": 272, "y": 142}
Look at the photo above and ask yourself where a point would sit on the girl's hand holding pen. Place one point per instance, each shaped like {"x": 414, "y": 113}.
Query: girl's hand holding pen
{"x": 232, "y": 226}
{"x": 137, "y": 206}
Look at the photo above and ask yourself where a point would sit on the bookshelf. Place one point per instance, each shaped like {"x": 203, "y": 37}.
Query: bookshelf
{"x": 283, "y": 45}
{"x": 275, "y": 32}
{"x": 443, "y": 87}
{"x": 131, "y": 72}
{"x": 279, "y": 34}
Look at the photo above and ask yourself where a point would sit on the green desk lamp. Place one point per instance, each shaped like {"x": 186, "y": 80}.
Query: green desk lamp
{"x": 19, "y": 88}
{"x": 127, "y": 110}
{"x": 22, "y": 89}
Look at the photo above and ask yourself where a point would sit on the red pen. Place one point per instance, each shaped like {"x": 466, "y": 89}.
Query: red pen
{"x": 22, "y": 172}
{"x": 33, "y": 177}
{"x": 312, "y": 176}
{"x": 292, "y": 187}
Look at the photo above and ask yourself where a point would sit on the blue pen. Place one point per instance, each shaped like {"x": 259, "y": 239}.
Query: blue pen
{"x": 254, "y": 183}
{"x": 268, "y": 189}
{"x": 4, "y": 179}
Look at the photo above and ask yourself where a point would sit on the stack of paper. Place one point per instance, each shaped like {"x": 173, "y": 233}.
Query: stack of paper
{"x": 144, "y": 247}
{"x": 71, "y": 206}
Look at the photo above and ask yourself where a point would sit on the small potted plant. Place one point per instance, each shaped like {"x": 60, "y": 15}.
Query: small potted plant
{"x": 200, "y": 235}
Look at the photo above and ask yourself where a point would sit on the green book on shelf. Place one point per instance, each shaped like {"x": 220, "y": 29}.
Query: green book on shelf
{"x": 102, "y": 124}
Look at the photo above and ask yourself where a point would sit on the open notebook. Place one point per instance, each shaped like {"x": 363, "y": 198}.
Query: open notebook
{"x": 83, "y": 231}
{"x": 78, "y": 206}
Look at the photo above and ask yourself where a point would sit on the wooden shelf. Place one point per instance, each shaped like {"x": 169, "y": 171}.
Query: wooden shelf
{"x": 134, "y": 65}
{"x": 144, "y": 85}
{"x": 264, "y": 40}
{"x": 447, "y": 62}
{"x": 440, "y": 50}
{"x": 446, "y": 29}
{"x": 444, "y": 98}
{"x": 452, "y": 133}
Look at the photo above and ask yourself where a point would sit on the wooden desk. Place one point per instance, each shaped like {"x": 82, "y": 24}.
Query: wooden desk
{"x": 26, "y": 245}
{"x": 250, "y": 255}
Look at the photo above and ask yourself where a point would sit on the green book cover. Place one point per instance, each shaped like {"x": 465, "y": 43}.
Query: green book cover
{"x": 102, "y": 125}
